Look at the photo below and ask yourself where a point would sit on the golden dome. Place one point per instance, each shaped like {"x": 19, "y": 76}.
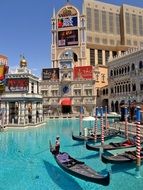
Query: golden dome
{"x": 23, "y": 62}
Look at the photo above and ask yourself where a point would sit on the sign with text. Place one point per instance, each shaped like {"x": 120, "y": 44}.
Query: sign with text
{"x": 50, "y": 74}
{"x": 67, "y": 22}
{"x": 17, "y": 85}
{"x": 67, "y": 38}
{"x": 84, "y": 72}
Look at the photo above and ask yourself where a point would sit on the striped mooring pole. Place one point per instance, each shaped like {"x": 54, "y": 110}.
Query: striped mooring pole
{"x": 138, "y": 141}
{"x": 106, "y": 119}
{"x": 80, "y": 120}
{"x": 102, "y": 126}
{"x": 126, "y": 123}
{"x": 95, "y": 124}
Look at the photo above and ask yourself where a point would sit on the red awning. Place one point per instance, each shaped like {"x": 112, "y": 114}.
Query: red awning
{"x": 66, "y": 102}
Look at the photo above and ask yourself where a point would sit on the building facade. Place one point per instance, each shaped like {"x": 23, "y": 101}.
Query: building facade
{"x": 111, "y": 30}
{"x": 21, "y": 103}
{"x": 77, "y": 80}
{"x": 125, "y": 73}
{"x": 88, "y": 39}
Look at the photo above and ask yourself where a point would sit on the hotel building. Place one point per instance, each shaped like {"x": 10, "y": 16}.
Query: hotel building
{"x": 83, "y": 41}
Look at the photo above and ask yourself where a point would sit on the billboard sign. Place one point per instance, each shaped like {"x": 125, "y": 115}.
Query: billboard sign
{"x": 67, "y": 22}
{"x": 84, "y": 72}
{"x": 17, "y": 85}
{"x": 50, "y": 74}
{"x": 67, "y": 38}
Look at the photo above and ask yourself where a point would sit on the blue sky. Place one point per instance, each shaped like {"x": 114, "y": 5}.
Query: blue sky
{"x": 25, "y": 28}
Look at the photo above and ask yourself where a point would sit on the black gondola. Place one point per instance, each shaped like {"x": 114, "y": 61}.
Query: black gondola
{"x": 112, "y": 146}
{"x": 128, "y": 156}
{"x": 108, "y": 134}
{"x": 79, "y": 169}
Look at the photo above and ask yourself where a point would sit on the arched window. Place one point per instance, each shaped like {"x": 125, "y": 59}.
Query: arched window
{"x": 134, "y": 87}
{"x": 129, "y": 87}
{"x": 141, "y": 86}
{"x": 133, "y": 66}
{"x": 111, "y": 73}
{"x": 140, "y": 65}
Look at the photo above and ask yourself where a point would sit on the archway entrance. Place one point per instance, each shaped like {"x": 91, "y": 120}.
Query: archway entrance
{"x": 66, "y": 105}
{"x": 66, "y": 109}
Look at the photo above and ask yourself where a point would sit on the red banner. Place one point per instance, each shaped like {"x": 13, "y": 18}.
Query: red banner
{"x": 17, "y": 84}
{"x": 84, "y": 72}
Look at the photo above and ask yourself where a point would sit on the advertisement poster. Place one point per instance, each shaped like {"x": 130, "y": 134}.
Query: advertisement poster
{"x": 84, "y": 72}
{"x": 17, "y": 84}
{"x": 67, "y": 38}
{"x": 3, "y": 71}
{"x": 67, "y": 22}
{"x": 50, "y": 74}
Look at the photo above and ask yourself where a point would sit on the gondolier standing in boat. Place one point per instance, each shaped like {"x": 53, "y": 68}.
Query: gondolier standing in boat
{"x": 57, "y": 145}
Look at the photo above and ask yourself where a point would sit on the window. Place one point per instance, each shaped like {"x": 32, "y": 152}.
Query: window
{"x": 134, "y": 87}
{"x": 99, "y": 56}
{"x": 32, "y": 87}
{"x": 106, "y": 56}
{"x": 77, "y": 92}
{"x": 96, "y": 20}
{"x": 111, "y": 30}
{"x": 89, "y": 20}
{"x": 140, "y": 65}
{"x": 117, "y": 24}
{"x": 114, "y": 53}
{"x": 104, "y": 23}
{"x": 75, "y": 57}
{"x": 141, "y": 86}
{"x": 133, "y": 66}
{"x": 134, "y": 24}
{"x": 92, "y": 57}
{"x": 140, "y": 25}
{"x": 127, "y": 18}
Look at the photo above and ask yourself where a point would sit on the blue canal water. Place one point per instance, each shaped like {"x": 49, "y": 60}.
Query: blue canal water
{"x": 27, "y": 164}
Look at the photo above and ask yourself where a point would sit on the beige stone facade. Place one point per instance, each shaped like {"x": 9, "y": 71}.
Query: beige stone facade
{"x": 90, "y": 38}
{"x": 125, "y": 76}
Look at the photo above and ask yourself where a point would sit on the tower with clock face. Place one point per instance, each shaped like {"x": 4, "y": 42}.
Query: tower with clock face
{"x": 68, "y": 32}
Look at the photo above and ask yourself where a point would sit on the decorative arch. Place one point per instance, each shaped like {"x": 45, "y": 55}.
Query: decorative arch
{"x": 67, "y": 11}
{"x": 68, "y": 56}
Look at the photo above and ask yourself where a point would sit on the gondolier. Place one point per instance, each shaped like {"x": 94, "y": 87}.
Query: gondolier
{"x": 57, "y": 145}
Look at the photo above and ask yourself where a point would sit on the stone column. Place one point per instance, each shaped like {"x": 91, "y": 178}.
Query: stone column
{"x": 34, "y": 112}
{"x": 7, "y": 113}
{"x": 19, "y": 112}
{"x": 41, "y": 112}
{"x": 23, "y": 113}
